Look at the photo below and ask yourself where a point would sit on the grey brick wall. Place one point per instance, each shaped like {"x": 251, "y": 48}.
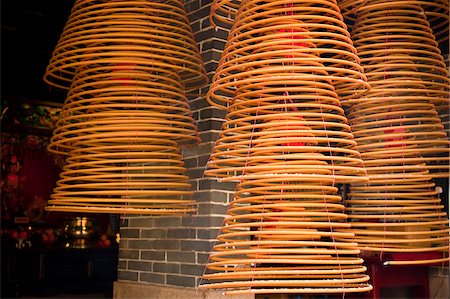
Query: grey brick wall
{"x": 174, "y": 250}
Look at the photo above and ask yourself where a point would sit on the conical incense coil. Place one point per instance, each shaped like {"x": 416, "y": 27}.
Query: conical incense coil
{"x": 401, "y": 128}
{"x": 398, "y": 118}
{"x": 270, "y": 38}
{"x": 131, "y": 174}
{"x": 121, "y": 127}
{"x": 288, "y": 102}
{"x": 279, "y": 235}
{"x": 153, "y": 30}
{"x": 395, "y": 42}
{"x": 134, "y": 98}
{"x": 399, "y": 212}
{"x": 436, "y": 12}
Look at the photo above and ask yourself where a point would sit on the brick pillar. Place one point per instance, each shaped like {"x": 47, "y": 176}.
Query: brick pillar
{"x": 158, "y": 252}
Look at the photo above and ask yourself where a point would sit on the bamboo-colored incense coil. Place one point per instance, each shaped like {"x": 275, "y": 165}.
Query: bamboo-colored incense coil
{"x": 121, "y": 127}
{"x": 436, "y": 12}
{"x": 270, "y": 38}
{"x": 288, "y": 102}
{"x": 98, "y": 31}
{"x": 409, "y": 81}
{"x": 394, "y": 41}
{"x": 400, "y": 135}
{"x": 124, "y": 174}
{"x": 286, "y": 140}
{"x": 399, "y": 212}
{"x": 280, "y": 232}
{"x": 402, "y": 128}
{"x": 138, "y": 98}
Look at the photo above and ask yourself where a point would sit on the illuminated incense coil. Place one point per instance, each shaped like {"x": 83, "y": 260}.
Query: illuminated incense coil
{"x": 127, "y": 174}
{"x": 396, "y": 45}
{"x": 116, "y": 98}
{"x": 399, "y": 213}
{"x": 272, "y": 38}
{"x": 121, "y": 127}
{"x": 98, "y": 31}
{"x": 398, "y": 117}
{"x": 436, "y": 12}
{"x": 279, "y": 235}
{"x": 300, "y": 104}
{"x": 403, "y": 128}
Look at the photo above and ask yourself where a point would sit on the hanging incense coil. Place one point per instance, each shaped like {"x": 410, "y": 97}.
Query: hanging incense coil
{"x": 399, "y": 212}
{"x": 263, "y": 104}
{"x": 121, "y": 127}
{"x": 436, "y": 12}
{"x": 400, "y": 135}
{"x": 136, "y": 98}
{"x": 402, "y": 128}
{"x": 269, "y": 37}
{"x": 141, "y": 175}
{"x": 98, "y": 31}
{"x": 280, "y": 232}
{"x": 398, "y": 117}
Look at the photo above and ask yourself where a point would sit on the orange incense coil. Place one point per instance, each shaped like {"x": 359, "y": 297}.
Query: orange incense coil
{"x": 273, "y": 38}
{"x": 124, "y": 174}
{"x": 402, "y": 128}
{"x": 306, "y": 113}
{"x": 436, "y": 12}
{"x": 98, "y": 31}
{"x": 108, "y": 98}
{"x": 121, "y": 127}
{"x": 397, "y": 118}
{"x": 397, "y": 47}
{"x": 399, "y": 212}
{"x": 280, "y": 234}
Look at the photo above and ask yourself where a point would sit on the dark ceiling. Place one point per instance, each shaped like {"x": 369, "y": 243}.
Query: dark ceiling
{"x": 29, "y": 32}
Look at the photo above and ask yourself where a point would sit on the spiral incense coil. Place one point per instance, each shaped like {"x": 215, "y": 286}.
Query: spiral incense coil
{"x": 279, "y": 235}
{"x": 124, "y": 174}
{"x": 223, "y": 12}
{"x": 395, "y": 42}
{"x": 398, "y": 118}
{"x": 297, "y": 107}
{"x": 399, "y": 213}
{"x": 400, "y": 128}
{"x": 436, "y": 12}
{"x": 134, "y": 99}
{"x": 98, "y": 31}
{"x": 273, "y": 38}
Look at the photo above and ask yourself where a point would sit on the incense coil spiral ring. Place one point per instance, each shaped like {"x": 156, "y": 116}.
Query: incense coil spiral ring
{"x": 121, "y": 127}
{"x": 396, "y": 46}
{"x": 269, "y": 38}
{"x": 280, "y": 235}
{"x": 406, "y": 129}
{"x": 399, "y": 214}
{"x": 301, "y": 113}
{"x": 129, "y": 175}
{"x": 97, "y": 31}
{"x": 111, "y": 97}
{"x": 397, "y": 118}
{"x": 436, "y": 12}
